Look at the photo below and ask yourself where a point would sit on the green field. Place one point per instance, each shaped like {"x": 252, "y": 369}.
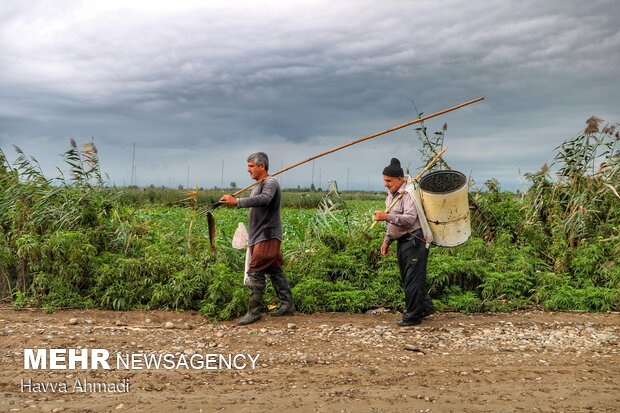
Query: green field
{"x": 73, "y": 242}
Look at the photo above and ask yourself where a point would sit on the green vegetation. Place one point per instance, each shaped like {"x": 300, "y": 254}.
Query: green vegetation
{"x": 73, "y": 242}
{"x": 302, "y": 198}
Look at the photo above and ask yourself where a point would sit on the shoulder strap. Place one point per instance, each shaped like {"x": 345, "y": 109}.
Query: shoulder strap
{"x": 414, "y": 191}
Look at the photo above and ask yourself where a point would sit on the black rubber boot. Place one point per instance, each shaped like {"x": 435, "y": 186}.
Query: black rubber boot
{"x": 256, "y": 299}
{"x": 283, "y": 290}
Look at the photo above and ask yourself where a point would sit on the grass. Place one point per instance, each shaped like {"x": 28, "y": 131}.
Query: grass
{"x": 74, "y": 242}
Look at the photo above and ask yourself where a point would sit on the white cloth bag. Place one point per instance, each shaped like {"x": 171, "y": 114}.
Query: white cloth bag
{"x": 240, "y": 241}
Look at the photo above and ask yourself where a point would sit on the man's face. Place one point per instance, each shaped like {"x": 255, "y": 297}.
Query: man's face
{"x": 256, "y": 171}
{"x": 392, "y": 183}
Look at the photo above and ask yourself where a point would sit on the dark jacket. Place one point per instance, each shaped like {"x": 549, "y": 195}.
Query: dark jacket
{"x": 264, "y": 204}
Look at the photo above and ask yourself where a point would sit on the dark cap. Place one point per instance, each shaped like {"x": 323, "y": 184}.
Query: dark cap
{"x": 393, "y": 169}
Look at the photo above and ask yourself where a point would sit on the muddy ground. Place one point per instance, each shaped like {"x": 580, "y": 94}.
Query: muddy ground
{"x": 517, "y": 362}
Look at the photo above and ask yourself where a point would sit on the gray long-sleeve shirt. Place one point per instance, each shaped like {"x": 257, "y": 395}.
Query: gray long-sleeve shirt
{"x": 264, "y": 214}
{"x": 403, "y": 218}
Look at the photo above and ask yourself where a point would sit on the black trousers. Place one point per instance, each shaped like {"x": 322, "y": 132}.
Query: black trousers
{"x": 412, "y": 257}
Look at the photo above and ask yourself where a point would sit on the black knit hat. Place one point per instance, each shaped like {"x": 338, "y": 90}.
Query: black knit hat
{"x": 394, "y": 169}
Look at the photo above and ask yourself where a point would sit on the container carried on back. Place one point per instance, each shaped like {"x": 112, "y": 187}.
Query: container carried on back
{"x": 445, "y": 201}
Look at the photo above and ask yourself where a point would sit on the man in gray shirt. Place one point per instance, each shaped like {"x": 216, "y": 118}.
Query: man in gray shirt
{"x": 265, "y": 237}
{"x": 403, "y": 226}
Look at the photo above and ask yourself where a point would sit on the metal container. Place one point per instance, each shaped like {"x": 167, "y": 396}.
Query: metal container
{"x": 445, "y": 202}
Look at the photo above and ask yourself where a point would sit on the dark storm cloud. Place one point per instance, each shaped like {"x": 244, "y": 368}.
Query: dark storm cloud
{"x": 205, "y": 81}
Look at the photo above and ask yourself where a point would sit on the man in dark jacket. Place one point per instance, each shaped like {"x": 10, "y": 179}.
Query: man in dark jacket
{"x": 403, "y": 226}
{"x": 265, "y": 237}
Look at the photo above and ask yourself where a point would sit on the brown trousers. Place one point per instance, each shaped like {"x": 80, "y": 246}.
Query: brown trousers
{"x": 266, "y": 256}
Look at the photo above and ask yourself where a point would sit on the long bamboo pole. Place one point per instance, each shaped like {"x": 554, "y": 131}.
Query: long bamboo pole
{"x": 365, "y": 138}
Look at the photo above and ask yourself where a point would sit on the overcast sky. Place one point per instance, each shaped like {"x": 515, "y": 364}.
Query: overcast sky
{"x": 195, "y": 84}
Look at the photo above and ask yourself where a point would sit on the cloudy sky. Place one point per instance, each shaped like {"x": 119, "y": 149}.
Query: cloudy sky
{"x": 200, "y": 84}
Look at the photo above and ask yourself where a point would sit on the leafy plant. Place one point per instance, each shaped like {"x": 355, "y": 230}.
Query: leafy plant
{"x": 73, "y": 242}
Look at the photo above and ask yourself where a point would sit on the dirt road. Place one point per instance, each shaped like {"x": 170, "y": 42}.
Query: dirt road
{"x": 516, "y": 362}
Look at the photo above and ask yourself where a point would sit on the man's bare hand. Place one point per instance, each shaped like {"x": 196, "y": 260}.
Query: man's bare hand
{"x": 385, "y": 249}
{"x": 380, "y": 216}
{"x": 228, "y": 200}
